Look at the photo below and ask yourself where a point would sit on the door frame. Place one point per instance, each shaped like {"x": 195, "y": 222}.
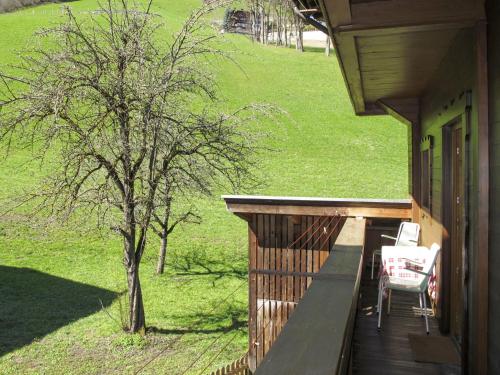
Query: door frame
{"x": 463, "y": 121}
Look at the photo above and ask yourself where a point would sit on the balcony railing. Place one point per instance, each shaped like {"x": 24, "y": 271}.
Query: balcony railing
{"x": 317, "y": 337}
{"x": 306, "y": 262}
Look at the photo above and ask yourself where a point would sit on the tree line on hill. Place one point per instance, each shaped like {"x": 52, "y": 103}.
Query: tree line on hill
{"x": 10, "y": 5}
{"x": 275, "y": 21}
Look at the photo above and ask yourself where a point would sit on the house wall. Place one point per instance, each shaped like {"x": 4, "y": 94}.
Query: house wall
{"x": 453, "y": 96}
{"x": 494, "y": 248}
{"x": 443, "y": 104}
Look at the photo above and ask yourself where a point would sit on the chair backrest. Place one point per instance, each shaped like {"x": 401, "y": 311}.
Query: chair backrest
{"x": 408, "y": 234}
{"x": 401, "y": 262}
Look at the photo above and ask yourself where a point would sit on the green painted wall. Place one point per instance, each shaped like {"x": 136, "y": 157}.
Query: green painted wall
{"x": 445, "y": 103}
{"x": 494, "y": 246}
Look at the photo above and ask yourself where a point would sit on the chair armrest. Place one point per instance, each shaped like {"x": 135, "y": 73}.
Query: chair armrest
{"x": 413, "y": 261}
{"x": 389, "y": 237}
{"x": 407, "y": 243}
{"x": 419, "y": 272}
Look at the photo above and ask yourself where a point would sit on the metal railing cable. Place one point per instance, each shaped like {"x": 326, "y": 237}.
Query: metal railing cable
{"x": 327, "y": 238}
{"x": 207, "y": 348}
{"x": 289, "y": 247}
{"x": 177, "y": 339}
{"x": 200, "y": 356}
{"x": 319, "y": 237}
{"x": 212, "y": 360}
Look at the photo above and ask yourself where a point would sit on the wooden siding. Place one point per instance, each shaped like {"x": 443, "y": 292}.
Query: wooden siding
{"x": 285, "y": 252}
{"x": 454, "y": 96}
{"x": 494, "y": 255}
{"x": 444, "y": 103}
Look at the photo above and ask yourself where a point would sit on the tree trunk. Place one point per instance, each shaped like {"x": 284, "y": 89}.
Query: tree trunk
{"x": 162, "y": 257}
{"x": 299, "y": 38}
{"x": 327, "y": 48}
{"x": 137, "y": 320}
{"x": 263, "y": 25}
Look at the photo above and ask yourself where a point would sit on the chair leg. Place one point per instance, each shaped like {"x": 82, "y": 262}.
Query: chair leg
{"x": 421, "y": 307}
{"x": 380, "y": 294}
{"x": 425, "y": 313}
{"x": 389, "y": 302}
{"x": 373, "y": 263}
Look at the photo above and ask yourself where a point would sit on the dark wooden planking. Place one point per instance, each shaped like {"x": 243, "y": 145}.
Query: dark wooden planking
{"x": 388, "y": 352}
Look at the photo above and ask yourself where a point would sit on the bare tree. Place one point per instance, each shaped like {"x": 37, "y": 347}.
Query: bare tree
{"x": 118, "y": 108}
{"x": 164, "y": 219}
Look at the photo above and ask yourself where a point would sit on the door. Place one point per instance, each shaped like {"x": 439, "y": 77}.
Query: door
{"x": 456, "y": 233}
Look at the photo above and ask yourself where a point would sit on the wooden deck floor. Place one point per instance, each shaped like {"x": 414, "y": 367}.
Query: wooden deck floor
{"x": 388, "y": 352}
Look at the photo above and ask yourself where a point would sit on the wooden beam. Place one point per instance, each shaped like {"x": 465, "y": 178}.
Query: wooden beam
{"x": 404, "y": 110}
{"x": 380, "y": 212}
{"x": 378, "y": 30}
{"x": 338, "y": 13}
{"x": 309, "y": 11}
{"x": 410, "y": 12}
{"x": 348, "y": 51}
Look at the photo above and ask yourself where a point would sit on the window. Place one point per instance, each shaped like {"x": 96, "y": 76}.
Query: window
{"x": 426, "y": 176}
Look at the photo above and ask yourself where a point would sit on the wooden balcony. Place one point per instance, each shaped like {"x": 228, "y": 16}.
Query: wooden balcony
{"x": 388, "y": 351}
{"x": 312, "y": 307}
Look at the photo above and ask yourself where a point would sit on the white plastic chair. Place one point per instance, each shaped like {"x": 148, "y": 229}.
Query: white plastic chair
{"x": 407, "y": 270}
{"x": 408, "y": 234}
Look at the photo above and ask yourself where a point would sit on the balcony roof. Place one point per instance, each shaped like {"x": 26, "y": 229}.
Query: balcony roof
{"x": 383, "y": 208}
{"x": 389, "y": 50}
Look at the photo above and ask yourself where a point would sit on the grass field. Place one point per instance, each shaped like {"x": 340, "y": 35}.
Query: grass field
{"x": 54, "y": 283}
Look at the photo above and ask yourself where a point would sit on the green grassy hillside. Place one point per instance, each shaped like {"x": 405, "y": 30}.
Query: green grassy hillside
{"x": 53, "y": 282}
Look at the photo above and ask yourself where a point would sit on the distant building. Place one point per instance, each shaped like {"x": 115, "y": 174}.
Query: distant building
{"x": 238, "y": 21}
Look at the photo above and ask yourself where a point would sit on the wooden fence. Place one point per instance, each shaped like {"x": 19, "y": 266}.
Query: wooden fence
{"x": 238, "y": 367}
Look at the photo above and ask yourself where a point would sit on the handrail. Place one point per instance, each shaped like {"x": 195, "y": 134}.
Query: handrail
{"x": 318, "y": 337}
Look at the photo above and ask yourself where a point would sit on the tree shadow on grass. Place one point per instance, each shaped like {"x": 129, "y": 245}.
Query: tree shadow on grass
{"x": 34, "y": 304}
{"x": 228, "y": 318}
{"x": 197, "y": 263}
